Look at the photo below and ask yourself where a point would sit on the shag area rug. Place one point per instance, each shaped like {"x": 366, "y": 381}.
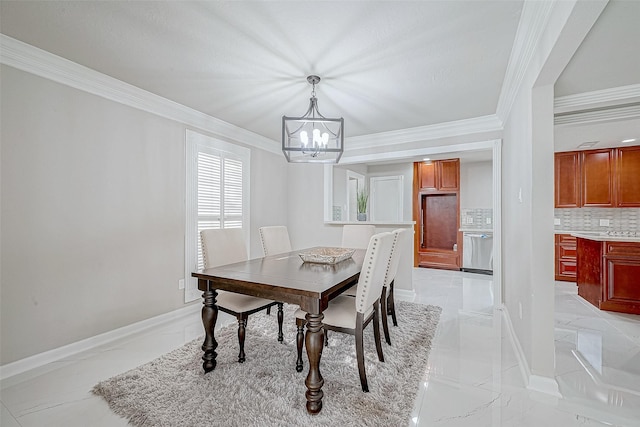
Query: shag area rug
{"x": 266, "y": 390}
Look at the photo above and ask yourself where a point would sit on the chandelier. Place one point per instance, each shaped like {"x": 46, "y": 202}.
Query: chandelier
{"x": 312, "y": 138}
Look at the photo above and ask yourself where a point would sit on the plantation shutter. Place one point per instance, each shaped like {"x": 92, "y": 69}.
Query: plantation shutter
{"x": 217, "y": 196}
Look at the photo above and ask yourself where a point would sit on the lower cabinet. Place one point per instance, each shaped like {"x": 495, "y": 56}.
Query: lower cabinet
{"x": 608, "y": 274}
{"x": 434, "y": 258}
{"x": 565, "y": 259}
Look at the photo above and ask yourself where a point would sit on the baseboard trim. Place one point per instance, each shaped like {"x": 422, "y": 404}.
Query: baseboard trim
{"x": 41, "y": 359}
{"x": 405, "y": 294}
{"x": 544, "y": 385}
{"x": 538, "y": 383}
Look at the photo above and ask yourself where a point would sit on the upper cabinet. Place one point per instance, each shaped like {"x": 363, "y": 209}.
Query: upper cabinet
{"x": 627, "y": 177}
{"x": 440, "y": 175}
{"x": 598, "y": 178}
{"x": 567, "y": 180}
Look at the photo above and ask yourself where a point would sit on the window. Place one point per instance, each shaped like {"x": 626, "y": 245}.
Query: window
{"x": 217, "y": 196}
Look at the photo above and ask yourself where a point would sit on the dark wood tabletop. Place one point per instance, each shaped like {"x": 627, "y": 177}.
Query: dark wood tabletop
{"x": 283, "y": 278}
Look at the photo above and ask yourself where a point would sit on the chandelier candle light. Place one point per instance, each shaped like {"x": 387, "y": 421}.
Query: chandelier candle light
{"x": 312, "y": 138}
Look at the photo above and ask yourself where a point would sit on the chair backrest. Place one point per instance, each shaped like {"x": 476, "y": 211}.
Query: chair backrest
{"x": 357, "y": 236}
{"x": 275, "y": 240}
{"x": 373, "y": 271}
{"x": 222, "y": 246}
{"x": 394, "y": 260}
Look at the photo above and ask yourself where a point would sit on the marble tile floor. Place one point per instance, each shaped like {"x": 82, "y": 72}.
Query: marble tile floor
{"x": 472, "y": 377}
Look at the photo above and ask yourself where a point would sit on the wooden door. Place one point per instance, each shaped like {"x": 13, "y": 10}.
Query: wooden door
{"x": 597, "y": 178}
{"x": 567, "y": 180}
{"x": 627, "y": 176}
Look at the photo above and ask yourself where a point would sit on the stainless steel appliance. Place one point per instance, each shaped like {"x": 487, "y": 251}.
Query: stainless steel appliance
{"x": 477, "y": 254}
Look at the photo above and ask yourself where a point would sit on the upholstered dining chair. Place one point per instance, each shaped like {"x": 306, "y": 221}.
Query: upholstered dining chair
{"x": 357, "y": 236}
{"x": 226, "y": 246}
{"x": 275, "y": 240}
{"x": 387, "y": 303}
{"x": 351, "y": 315}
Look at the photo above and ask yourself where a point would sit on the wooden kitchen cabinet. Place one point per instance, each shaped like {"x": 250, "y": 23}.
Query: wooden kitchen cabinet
{"x": 436, "y": 211}
{"x": 439, "y": 175}
{"x": 565, "y": 257}
{"x": 607, "y": 274}
{"x": 449, "y": 171}
{"x": 427, "y": 176}
{"x": 627, "y": 177}
{"x": 597, "y": 178}
{"x": 567, "y": 180}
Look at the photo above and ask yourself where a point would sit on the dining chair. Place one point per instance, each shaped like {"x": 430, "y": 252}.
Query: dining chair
{"x": 275, "y": 240}
{"x": 226, "y": 246}
{"x": 351, "y": 315}
{"x": 357, "y": 236}
{"x": 387, "y": 303}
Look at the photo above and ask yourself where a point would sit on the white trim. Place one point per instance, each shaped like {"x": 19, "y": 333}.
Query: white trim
{"x": 533, "y": 23}
{"x": 45, "y": 64}
{"x": 517, "y": 348}
{"x": 328, "y": 193}
{"x": 423, "y": 133}
{"x": 41, "y": 359}
{"x": 604, "y": 115}
{"x": 597, "y": 98}
{"x": 538, "y": 383}
{"x": 544, "y": 385}
{"x": 405, "y": 294}
{"x": 497, "y": 222}
{"x": 408, "y": 154}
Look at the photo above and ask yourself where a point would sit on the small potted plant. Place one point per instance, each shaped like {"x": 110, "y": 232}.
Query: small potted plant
{"x": 363, "y": 199}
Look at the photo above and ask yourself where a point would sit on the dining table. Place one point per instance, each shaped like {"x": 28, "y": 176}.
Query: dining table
{"x": 284, "y": 278}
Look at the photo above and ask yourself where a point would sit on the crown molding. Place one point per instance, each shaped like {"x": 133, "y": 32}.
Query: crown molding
{"x": 418, "y": 152}
{"x": 597, "y": 99}
{"x": 594, "y": 116}
{"x": 533, "y": 22}
{"x": 424, "y": 133}
{"x": 39, "y": 62}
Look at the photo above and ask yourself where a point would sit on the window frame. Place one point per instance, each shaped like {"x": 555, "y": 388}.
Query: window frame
{"x": 196, "y": 143}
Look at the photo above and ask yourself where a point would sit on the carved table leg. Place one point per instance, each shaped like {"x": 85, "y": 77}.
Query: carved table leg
{"x": 242, "y": 327}
{"x": 209, "y": 318}
{"x": 280, "y": 320}
{"x": 314, "y": 341}
{"x": 299, "y": 343}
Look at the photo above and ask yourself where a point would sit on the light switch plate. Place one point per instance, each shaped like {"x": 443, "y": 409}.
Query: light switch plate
{"x": 556, "y": 221}
{"x": 604, "y": 223}
{"x": 488, "y": 220}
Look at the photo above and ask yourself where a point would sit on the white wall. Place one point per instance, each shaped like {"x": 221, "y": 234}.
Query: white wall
{"x": 92, "y": 214}
{"x": 527, "y": 190}
{"x": 476, "y": 185}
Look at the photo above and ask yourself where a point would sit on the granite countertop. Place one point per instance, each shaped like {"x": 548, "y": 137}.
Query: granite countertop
{"x": 604, "y": 237}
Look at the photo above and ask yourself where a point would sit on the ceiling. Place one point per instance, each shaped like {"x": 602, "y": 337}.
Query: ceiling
{"x": 385, "y": 65}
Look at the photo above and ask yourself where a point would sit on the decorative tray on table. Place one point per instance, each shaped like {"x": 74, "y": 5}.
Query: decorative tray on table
{"x": 326, "y": 255}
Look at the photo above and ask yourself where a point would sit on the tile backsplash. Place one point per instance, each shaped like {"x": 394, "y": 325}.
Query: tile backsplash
{"x": 597, "y": 219}
{"x": 476, "y": 218}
